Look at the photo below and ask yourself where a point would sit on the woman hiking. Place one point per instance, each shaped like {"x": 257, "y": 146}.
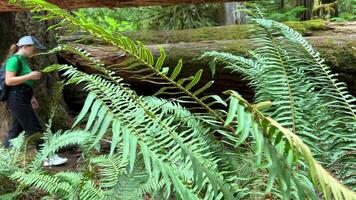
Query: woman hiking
{"x": 19, "y": 79}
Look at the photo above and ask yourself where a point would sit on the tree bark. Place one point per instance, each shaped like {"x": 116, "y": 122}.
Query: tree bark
{"x": 12, "y": 27}
{"x": 308, "y": 5}
{"x": 232, "y": 15}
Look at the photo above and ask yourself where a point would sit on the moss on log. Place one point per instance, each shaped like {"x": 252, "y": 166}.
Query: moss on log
{"x": 230, "y": 32}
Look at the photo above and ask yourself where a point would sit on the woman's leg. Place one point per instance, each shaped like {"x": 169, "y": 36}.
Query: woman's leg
{"x": 28, "y": 119}
{"x": 19, "y": 103}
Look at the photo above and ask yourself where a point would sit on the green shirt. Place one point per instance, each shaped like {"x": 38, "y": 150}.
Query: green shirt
{"x": 12, "y": 65}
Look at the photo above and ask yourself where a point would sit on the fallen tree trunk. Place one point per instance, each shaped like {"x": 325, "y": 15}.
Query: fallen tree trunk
{"x": 339, "y": 52}
{"x": 230, "y": 32}
{"x": 335, "y": 41}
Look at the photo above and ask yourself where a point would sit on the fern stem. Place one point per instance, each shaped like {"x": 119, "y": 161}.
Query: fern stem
{"x": 291, "y": 99}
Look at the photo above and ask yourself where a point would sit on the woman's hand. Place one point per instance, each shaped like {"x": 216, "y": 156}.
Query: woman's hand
{"x": 34, "y": 103}
{"x": 35, "y": 75}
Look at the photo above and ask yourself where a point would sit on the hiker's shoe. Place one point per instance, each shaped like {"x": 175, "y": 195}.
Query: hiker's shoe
{"x": 54, "y": 161}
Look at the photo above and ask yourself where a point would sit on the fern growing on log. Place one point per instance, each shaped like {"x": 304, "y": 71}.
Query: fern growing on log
{"x": 177, "y": 150}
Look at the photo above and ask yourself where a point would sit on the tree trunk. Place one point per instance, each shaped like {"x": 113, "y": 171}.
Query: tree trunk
{"x": 308, "y": 5}
{"x": 232, "y": 16}
{"x": 12, "y": 27}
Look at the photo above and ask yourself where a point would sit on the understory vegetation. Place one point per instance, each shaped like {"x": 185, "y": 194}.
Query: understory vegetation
{"x": 153, "y": 17}
{"x": 295, "y": 141}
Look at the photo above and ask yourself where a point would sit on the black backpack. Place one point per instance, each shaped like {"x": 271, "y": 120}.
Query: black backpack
{"x": 3, "y": 86}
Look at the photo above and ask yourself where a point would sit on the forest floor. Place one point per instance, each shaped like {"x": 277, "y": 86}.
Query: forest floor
{"x": 73, "y": 155}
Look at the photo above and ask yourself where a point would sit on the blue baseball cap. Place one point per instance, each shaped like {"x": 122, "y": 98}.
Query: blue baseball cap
{"x": 30, "y": 40}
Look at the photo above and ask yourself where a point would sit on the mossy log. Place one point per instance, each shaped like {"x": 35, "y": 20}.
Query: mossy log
{"x": 339, "y": 53}
{"x": 229, "y": 32}
{"x": 335, "y": 41}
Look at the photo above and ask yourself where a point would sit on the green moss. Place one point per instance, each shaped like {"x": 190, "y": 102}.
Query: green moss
{"x": 339, "y": 53}
{"x": 229, "y": 32}
{"x": 306, "y": 28}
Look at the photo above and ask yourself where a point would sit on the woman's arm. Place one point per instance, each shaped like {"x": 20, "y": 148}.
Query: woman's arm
{"x": 11, "y": 79}
{"x": 12, "y": 66}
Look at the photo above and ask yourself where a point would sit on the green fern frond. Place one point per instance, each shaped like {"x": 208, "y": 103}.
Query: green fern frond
{"x": 110, "y": 169}
{"x": 74, "y": 178}
{"x": 340, "y": 105}
{"x": 318, "y": 118}
{"x": 57, "y": 141}
{"x": 43, "y": 181}
{"x": 334, "y": 90}
{"x": 263, "y": 130}
{"x": 10, "y": 157}
{"x": 90, "y": 191}
{"x": 135, "y": 185}
{"x": 8, "y": 162}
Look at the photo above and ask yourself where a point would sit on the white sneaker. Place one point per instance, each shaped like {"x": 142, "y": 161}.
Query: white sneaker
{"x": 54, "y": 161}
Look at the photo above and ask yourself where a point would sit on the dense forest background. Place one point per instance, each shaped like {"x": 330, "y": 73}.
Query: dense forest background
{"x": 197, "y": 16}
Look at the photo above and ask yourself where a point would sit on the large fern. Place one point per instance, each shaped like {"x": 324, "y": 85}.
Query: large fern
{"x": 135, "y": 122}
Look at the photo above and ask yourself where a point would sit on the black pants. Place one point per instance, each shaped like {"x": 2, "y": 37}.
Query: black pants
{"x": 24, "y": 117}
